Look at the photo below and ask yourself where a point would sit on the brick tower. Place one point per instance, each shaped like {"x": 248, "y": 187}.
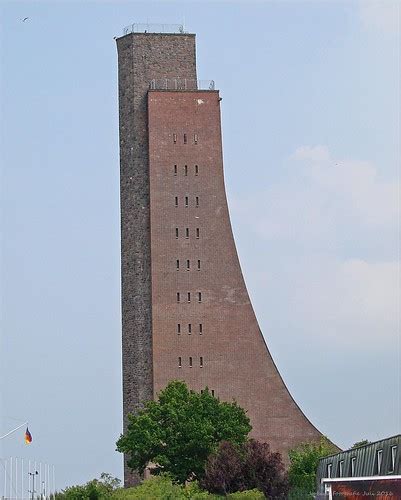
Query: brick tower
{"x": 186, "y": 312}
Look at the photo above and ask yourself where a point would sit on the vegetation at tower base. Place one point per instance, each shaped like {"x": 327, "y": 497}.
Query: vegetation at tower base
{"x": 180, "y": 430}
{"x": 248, "y": 466}
{"x": 97, "y": 489}
{"x": 363, "y": 442}
{"x": 304, "y": 460}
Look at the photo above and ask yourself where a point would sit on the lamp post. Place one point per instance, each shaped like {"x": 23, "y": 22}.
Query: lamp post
{"x": 33, "y": 474}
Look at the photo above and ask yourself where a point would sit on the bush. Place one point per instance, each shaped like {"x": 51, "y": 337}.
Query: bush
{"x": 250, "y": 466}
{"x": 162, "y": 488}
{"x": 304, "y": 460}
{"x": 97, "y": 489}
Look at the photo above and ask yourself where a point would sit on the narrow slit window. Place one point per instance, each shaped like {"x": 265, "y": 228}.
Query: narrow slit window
{"x": 186, "y": 201}
{"x": 198, "y": 265}
{"x": 199, "y": 296}
{"x": 189, "y": 328}
{"x": 393, "y": 455}
{"x": 178, "y": 264}
{"x": 176, "y": 232}
{"x": 196, "y": 170}
{"x": 353, "y": 466}
{"x": 179, "y": 362}
{"x": 189, "y": 297}
{"x": 188, "y": 265}
{"x": 213, "y": 392}
{"x": 186, "y": 170}
{"x": 200, "y": 328}
{"x": 175, "y": 169}
{"x": 341, "y": 468}
{"x": 197, "y": 233}
{"x": 201, "y": 362}
{"x": 195, "y": 138}
{"x": 190, "y": 361}
{"x": 179, "y": 328}
{"x": 175, "y": 138}
{"x": 185, "y": 138}
{"x": 187, "y": 232}
{"x": 329, "y": 469}
{"x": 176, "y": 201}
{"x": 178, "y": 296}
{"x": 197, "y": 201}
{"x": 379, "y": 459}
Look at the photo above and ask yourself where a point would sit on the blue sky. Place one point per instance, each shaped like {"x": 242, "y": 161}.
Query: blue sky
{"x": 311, "y": 149}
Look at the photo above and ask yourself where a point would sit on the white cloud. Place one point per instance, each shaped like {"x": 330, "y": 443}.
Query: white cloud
{"x": 322, "y": 223}
{"x": 380, "y": 15}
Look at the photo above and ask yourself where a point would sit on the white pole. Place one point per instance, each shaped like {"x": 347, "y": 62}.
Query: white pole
{"x": 54, "y": 484}
{"x": 40, "y": 479}
{"x": 16, "y": 477}
{"x": 29, "y": 476}
{"x": 5, "y": 478}
{"x": 22, "y": 479}
{"x": 11, "y": 476}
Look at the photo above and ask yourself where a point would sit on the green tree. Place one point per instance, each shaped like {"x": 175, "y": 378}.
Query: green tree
{"x": 304, "y": 460}
{"x": 360, "y": 443}
{"x": 178, "y": 432}
{"x": 97, "y": 489}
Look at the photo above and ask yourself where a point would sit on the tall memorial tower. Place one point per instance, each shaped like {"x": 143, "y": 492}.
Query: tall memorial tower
{"x": 186, "y": 313}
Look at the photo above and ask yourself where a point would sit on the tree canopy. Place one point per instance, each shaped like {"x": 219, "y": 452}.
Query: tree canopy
{"x": 304, "y": 460}
{"x": 180, "y": 430}
{"x": 246, "y": 467}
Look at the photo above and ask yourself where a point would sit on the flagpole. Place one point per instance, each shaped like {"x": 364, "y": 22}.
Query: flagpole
{"x": 10, "y": 432}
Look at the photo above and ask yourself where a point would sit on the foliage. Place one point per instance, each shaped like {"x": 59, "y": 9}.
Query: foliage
{"x": 97, "y": 489}
{"x": 363, "y": 442}
{"x": 244, "y": 467}
{"x": 163, "y": 488}
{"x": 304, "y": 460}
{"x": 180, "y": 430}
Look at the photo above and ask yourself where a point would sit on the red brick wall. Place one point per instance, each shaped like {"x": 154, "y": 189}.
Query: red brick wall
{"x": 236, "y": 361}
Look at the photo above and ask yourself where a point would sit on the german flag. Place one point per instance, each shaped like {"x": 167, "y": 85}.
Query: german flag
{"x": 28, "y": 436}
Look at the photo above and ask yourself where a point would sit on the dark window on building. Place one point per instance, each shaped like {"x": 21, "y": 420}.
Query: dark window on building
{"x": 353, "y": 466}
{"x": 179, "y": 362}
{"x": 329, "y": 468}
{"x": 190, "y": 361}
{"x": 176, "y": 232}
{"x": 175, "y": 138}
{"x": 178, "y": 296}
{"x": 186, "y": 170}
{"x": 179, "y": 328}
{"x": 187, "y": 232}
{"x": 188, "y": 265}
{"x": 197, "y": 201}
{"x": 201, "y": 362}
{"x": 176, "y": 201}
{"x": 378, "y": 462}
{"x": 178, "y": 264}
{"x": 196, "y": 138}
{"x": 186, "y": 201}
{"x": 341, "y": 468}
{"x": 196, "y": 170}
{"x": 199, "y": 296}
{"x": 213, "y": 392}
{"x": 393, "y": 454}
{"x": 185, "y": 138}
{"x": 189, "y": 296}
{"x": 175, "y": 169}
{"x": 197, "y": 233}
{"x": 189, "y": 328}
{"x": 198, "y": 265}
{"x": 200, "y": 328}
